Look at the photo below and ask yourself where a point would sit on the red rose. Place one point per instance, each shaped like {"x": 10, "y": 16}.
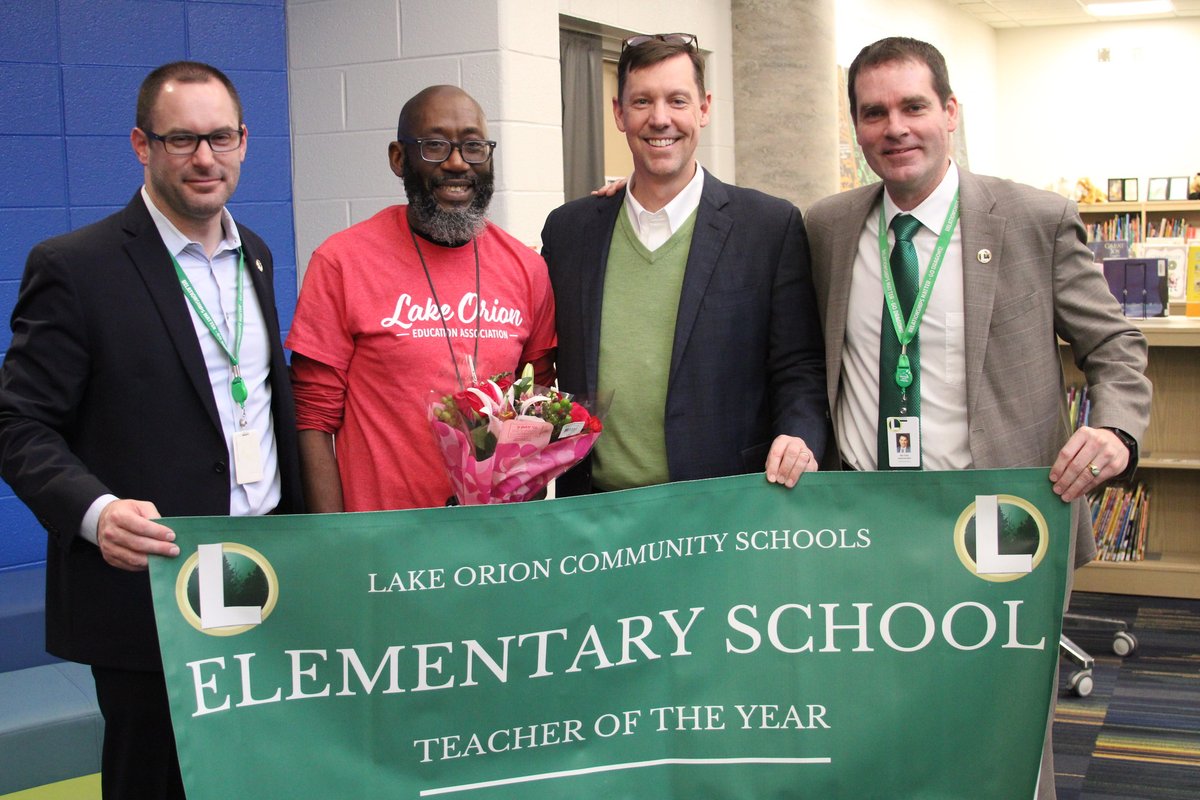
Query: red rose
{"x": 491, "y": 389}
{"x": 503, "y": 380}
{"x": 469, "y": 404}
{"x": 593, "y": 425}
{"x": 579, "y": 413}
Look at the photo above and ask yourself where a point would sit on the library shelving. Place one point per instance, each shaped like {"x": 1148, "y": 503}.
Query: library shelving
{"x": 1147, "y": 212}
{"x": 1138, "y": 220}
{"x": 1169, "y": 466}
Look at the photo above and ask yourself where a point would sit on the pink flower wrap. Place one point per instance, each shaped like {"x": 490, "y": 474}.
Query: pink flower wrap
{"x": 515, "y": 472}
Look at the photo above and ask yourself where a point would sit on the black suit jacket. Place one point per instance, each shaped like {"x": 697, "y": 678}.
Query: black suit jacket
{"x": 104, "y": 390}
{"x": 748, "y": 360}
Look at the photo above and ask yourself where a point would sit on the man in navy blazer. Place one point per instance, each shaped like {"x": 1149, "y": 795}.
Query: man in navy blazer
{"x": 690, "y": 299}
{"x": 119, "y": 405}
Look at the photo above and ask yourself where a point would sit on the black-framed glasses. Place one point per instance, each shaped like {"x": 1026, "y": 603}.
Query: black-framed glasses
{"x": 435, "y": 151}
{"x": 184, "y": 144}
{"x": 684, "y": 39}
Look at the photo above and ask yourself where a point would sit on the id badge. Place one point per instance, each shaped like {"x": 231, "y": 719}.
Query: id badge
{"x": 247, "y": 458}
{"x": 904, "y": 442}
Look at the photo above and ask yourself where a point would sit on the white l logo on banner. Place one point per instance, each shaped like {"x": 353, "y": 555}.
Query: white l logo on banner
{"x": 988, "y": 559}
{"x": 213, "y": 611}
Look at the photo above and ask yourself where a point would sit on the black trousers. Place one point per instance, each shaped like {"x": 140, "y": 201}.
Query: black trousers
{"x": 139, "y": 759}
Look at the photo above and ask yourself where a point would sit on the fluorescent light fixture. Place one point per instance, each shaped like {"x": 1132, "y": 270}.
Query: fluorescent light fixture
{"x": 1130, "y": 9}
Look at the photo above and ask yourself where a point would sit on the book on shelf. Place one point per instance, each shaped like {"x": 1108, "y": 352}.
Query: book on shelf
{"x": 1120, "y": 512}
{"x": 1118, "y": 227}
{"x": 1108, "y": 248}
{"x": 1171, "y": 228}
{"x": 1078, "y": 405}
{"x": 1193, "y": 280}
{"x": 1119, "y": 522}
{"x": 1139, "y": 284}
{"x": 1121, "y": 539}
{"x": 1175, "y": 251}
{"x": 1143, "y": 525}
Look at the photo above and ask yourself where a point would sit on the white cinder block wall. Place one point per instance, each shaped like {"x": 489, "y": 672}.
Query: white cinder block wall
{"x": 353, "y": 63}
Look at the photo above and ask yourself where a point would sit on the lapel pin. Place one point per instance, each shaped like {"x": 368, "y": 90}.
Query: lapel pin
{"x": 258, "y": 264}
{"x": 983, "y": 255}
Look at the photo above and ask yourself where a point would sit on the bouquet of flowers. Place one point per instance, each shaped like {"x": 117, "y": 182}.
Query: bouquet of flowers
{"x": 505, "y": 439}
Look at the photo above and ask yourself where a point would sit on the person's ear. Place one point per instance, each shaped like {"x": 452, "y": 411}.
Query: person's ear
{"x": 397, "y": 158}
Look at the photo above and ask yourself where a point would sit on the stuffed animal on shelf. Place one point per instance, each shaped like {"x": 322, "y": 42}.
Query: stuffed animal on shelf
{"x": 1087, "y": 192}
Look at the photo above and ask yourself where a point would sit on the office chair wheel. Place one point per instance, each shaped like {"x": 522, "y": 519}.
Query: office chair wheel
{"x": 1124, "y": 643}
{"x": 1080, "y": 683}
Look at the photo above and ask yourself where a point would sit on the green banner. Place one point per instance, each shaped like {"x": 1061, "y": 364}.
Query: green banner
{"x": 864, "y": 635}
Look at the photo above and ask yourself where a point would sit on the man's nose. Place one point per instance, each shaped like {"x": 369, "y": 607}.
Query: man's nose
{"x": 660, "y": 116}
{"x": 204, "y": 153}
{"x": 455, "y": 162}
{"x": 897, "y": 125}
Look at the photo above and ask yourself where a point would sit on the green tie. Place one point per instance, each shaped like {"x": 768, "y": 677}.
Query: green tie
{"x": 906, "y": 275}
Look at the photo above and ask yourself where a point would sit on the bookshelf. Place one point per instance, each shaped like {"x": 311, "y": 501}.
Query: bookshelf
{"x": 1142, "y": 217}
{"x": 1147, "y": 210}
{"x": 1169, "y": 466}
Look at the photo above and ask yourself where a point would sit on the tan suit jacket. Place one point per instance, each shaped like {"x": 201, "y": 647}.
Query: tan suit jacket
{"x": 1039, "y": 282}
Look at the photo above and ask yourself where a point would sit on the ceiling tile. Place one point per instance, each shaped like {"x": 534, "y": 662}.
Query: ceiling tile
{"x": 1031, "y": 13}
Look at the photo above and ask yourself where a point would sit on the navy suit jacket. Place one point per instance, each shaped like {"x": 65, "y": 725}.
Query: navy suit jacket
{"x": 748, "y": 360}
{"x": 104, "y": 390}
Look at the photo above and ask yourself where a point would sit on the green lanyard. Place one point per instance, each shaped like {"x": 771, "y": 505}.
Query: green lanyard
{"x": 905, "y": 333}
{"x": 238, "y": 387}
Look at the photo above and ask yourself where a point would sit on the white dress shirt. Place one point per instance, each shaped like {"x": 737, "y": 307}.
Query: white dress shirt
{"x": 215, "y": 280}
{"x": 653, "y": 228}
{"x": 944, "y": 429}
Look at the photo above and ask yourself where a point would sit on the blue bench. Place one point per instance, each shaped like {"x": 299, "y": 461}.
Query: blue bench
{"x": 50, "y": 723}
{"x": 23, "y": 618}
{"x": 50, "y": 726}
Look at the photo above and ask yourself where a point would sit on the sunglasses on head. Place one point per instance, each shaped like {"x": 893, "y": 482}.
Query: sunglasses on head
{"x": 685, "y": 39}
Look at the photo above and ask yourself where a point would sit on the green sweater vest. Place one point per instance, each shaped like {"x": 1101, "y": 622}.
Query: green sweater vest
{"x": 637, "y": 331}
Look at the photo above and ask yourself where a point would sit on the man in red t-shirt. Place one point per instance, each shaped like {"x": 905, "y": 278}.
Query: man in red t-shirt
{"x": 394, "y": 310}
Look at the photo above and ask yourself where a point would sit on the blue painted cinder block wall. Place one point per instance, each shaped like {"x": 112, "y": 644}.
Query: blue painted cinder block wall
{"x": 69, "y": 74}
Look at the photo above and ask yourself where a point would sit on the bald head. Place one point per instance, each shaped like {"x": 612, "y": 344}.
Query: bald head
{"x": 413, "y": 114}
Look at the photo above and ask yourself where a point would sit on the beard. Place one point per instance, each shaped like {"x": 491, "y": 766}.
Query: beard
{"x": 447, "y": 225}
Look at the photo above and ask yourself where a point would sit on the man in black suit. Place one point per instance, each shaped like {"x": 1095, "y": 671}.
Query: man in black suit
{"x": 689, "y": 298}
{"x": 144, "y": 381}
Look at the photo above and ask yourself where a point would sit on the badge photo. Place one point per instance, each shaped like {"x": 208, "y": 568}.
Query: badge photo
{"x": 904, "y": 442}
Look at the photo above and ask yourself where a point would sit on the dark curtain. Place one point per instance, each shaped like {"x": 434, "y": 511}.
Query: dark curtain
{"x": 583, "y": 113}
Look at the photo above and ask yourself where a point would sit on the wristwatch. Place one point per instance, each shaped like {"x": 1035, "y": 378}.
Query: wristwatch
{"x": 1132, "y": 445}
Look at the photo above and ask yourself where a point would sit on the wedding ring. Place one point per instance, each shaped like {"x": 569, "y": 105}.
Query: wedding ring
{"x": 1092, "y": 468}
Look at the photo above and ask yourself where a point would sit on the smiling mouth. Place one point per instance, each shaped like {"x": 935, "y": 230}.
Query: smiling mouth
{"x": 203, "y": 180}
{"x": 660, "y": 142}
{"x": 455, "y": 192}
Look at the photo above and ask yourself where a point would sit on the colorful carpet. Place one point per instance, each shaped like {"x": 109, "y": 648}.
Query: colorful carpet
{"x": 1137, "y": 737}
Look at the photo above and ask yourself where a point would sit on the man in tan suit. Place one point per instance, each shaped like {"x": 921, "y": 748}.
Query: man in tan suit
{"x": 1012, "y": 273}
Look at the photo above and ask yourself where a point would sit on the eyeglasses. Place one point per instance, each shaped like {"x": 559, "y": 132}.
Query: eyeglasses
{"x": 685, "y": 39}
{"x": 435, "y": 151}
{"x": 184, "y": 144}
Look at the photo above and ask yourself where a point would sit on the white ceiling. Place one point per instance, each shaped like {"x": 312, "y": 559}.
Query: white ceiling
{"x": 1032, "y": 13}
